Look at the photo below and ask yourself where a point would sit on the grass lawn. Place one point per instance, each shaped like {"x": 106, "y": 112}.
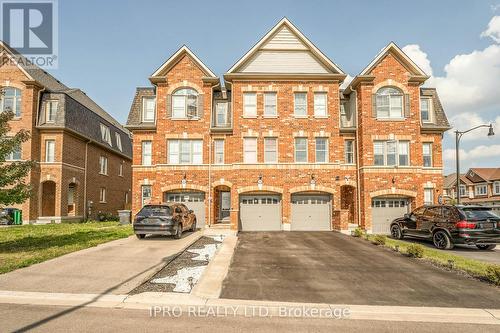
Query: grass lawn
{"x": 25, "y": 245}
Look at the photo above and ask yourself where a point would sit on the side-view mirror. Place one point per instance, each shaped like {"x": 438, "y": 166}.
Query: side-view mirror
{"x": 407, "y": 216}
{"x": 191, "y": 211}
{"x": 178, "y": 210}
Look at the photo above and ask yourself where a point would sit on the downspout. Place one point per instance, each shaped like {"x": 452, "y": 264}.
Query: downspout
{"x": 85, "y": 211}
{"x": 358, "y": 187}
{"x": 37, "y": 122}
{"x": 210, "y": 176}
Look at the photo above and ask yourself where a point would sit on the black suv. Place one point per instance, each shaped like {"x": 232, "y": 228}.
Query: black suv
{"x": 448, "y": 225}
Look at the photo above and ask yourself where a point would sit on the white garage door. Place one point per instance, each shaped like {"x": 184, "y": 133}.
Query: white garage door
{"x": 193, "y": 200}
{"x": 311, "y": 212}
{"x": 260, "y": 212}
{"x": 384, "y": 211}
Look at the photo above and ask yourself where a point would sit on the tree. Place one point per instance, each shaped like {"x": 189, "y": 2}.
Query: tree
{"x": 13, "y": 186}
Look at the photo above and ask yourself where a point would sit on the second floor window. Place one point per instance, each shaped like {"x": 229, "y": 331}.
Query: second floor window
{"x": 321, "y": 150}
{"x": 50, "y": 111}
{"x": 147, "y": 153}
{"x": 148, "y": 109}
{"x": 249, "y": 104}
{"x": 349, "y": 151}
{"x": 463, "y": 190}
{"x": 219, "y": 151}
{"x": 120, "y": 170}
{"x": 496, "y": 188}
{"x": 10, "y": 100}
{"x": 270, "y": 102}
{"x": 320, "y": 104}
{"x": 221, "y": 114}
{"x": 185, "y": 151}
{"x": 118, "y": 141}
{"x": 50, "y": 151}
{"x": 15, "y": 155}
{"x": 103, "y": 165}
{"x": 425, "y": 110}
{"x": 391, "y": 153}
{"x": 185, "y": 103}
{"x": 389, "y": 103}
{"x": 249, "y": 150}
{"x": 300, "y": 104}
{"x": 270, "y": 150}
{"x": 427, "y": 154}
{"x": 481, "y": 190}
{"x": 301, "y": 150}
{"x": 105, "y": 134}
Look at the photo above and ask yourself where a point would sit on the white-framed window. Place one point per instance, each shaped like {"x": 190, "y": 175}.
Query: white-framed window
{"x": 481, "y": 189}
{"x": 105, "y": 134}
{"x": 50, "y": 111}
{"x": 118, "y": 141}
{"x": 147, "y": 152}
{"x": 120, "y": 170}
{"x": 10, "y": 100}
{"x": 321, "y": 150}
{"x": 300, "y": 150}
{"x": 218, "y": 151}
{"x": 103, "y": 165}
{"x": 349, "y": 151}
{"x": 249, "y": 104}
{"x": 221, "y": 114}
{"x": 50, "y": 150}
{"x": 185, "y": 151}
{"x": 146, "y": 194}
{"x": 184, "y": 103}
{"x": 426, "y": 109}
{"x": 148, "y": 109}
{"x": 496, "y": 188}
{"x": 463, "y": 190}
{"x": 320, "y": 102}
{"x": 389, "y": 103}
{"x": 428, "y": 196}
{"x": 427, "y": 154}
{"x": 300, "y": 104}
{"x": 14, "y": 155}
{"x": 249, "y": 150}
{"x": 270, "y": 150}
{"x": 102, "y": 195}
{"x": 391, "y": 153}
{"x": 270, "y": 104}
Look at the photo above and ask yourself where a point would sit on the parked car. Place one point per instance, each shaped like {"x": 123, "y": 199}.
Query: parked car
{"x": 7, "y": 216}
{"x": 164, "y": 219}
{"x": 448, "y": 225}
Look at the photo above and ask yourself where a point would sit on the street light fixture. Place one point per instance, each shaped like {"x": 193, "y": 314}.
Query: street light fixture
{"x": 458, "y": 136}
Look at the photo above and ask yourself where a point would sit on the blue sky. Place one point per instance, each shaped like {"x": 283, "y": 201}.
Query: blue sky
{"x": 107, "y": 48}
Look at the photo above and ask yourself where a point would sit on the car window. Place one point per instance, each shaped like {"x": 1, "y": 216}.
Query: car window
{"x": 449, "y": 213}
{"x": 419, "y": 211}
{"x": 433, "y": 212}
{"x": 479, "y": 213}
{"x": 155, "y": 211}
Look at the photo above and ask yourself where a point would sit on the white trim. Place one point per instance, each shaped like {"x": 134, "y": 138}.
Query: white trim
{"x": 8, "y": 52}
{"x": 173, "y": 58}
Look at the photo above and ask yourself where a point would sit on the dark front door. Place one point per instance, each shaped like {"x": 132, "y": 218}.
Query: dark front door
{"x": 225, "y": 205}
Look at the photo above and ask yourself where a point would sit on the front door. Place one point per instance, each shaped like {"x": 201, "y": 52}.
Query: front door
{"x": 225, "y": 205}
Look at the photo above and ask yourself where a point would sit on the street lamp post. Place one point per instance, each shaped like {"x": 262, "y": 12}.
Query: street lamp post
{"x": 458, "y": 136}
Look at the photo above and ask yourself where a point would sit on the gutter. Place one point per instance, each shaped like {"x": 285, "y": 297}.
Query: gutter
{"x": 358, "y": 179}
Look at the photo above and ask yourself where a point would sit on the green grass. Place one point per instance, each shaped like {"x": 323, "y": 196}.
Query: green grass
{"x": 478, "y": 269}
{"x": 22, "y": 246}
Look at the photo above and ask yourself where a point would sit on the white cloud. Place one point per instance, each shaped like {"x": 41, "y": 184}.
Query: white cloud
{"x": 346, "y": 82}
{"x": 465, "y": 121}
{"x": 493, "y": 30}
{"x": 479, "y": 152}
{"x": 419, "y": 57}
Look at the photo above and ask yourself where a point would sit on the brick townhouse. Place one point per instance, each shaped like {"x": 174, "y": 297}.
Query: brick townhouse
{"x": 280, "y": 146}
{"x": 83, "y": 156}
{"x": 477, "y": 186}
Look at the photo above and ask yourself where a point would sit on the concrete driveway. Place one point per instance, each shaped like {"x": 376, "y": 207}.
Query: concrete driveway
{"x": 328, "y": 267}
{"x": 116, "y": 267}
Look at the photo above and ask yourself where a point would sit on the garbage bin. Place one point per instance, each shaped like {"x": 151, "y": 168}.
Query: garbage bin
{"x": 17, "y": 217}
{"x": 125, "y": 216}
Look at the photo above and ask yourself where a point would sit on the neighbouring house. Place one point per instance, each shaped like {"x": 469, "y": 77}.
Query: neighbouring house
{"x": 83, "y": 155}
{"x": 477, "y": 186}
{"x": 280, "y": 146}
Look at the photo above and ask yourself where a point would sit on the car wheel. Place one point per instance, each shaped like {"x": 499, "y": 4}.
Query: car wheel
{"x": 140, "y": 236}
{"x": 178, "y": 234}
{"x": 193, "y": 227}
{"x": 396, "y": 232}
{"x": 441, "y": 240}
{"x": 486, "y": 247}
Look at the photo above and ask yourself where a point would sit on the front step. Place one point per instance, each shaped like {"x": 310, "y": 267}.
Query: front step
{"x": 220, "y": 226}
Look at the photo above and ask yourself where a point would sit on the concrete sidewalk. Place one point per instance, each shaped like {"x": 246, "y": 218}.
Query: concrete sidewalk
{"x": 111, "y": 268}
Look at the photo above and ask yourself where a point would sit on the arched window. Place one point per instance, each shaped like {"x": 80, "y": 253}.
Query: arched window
{"x": 185, "y": 103}
{"x": 389, "y": 103}
{"x": 10, "y": 100}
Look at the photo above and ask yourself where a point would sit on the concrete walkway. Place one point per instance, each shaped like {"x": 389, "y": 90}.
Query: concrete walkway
{"x": 116, "y": 267}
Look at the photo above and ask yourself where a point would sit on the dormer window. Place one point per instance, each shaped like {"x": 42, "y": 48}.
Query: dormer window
{"x": 50, "y": 111}
{"x": 118, "y": 141}
{"x": 105, "y": 134}
{"x": 185, "y": 103}
{"x": 148, "y": 109}
{"x": 389, "y": 103}
{"x": 426, "y": 110}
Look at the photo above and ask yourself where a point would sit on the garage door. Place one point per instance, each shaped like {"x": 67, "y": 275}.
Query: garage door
{"x": 311, "y": 212}
{"x": 384, "y": 211}
{"x": 193, "y": 200}
{"x": 260, "y": 212}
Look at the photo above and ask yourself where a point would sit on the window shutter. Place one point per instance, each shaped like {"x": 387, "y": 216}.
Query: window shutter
{"x": 200, "y": 106}
{"x": 374, "y": 105}
{"x": 407, "y": 106}
{"x": 169, "y": 106}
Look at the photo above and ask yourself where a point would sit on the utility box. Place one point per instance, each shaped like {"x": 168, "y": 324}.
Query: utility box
{"x": 125, "y": 216}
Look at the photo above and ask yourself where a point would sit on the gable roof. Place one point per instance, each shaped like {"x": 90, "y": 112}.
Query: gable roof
{"x": 451, "y": 180}
{"x": 393, "y": 49}
{"x": 483, "y": 174}
{"x": 284, "y": 36}
{"x": 167, "y": 65}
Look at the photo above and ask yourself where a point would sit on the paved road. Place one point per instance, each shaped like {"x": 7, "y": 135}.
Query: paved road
{"x": 23, "y": 318}
{"x": 115, "y": 267}
{"x": 327, "y": 267}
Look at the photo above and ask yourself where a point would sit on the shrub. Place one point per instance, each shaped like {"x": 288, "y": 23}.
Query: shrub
{"x": 103, "y": 217}
{"x": 415, "y": 250}
{"x": 493, "y": 274}
{"x": 379, "y": 240}
{"x": 358, "y": 232}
